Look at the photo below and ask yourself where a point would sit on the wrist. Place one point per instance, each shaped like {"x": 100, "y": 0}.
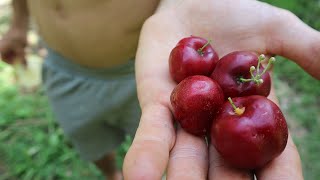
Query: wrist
{"x": 20, "y": 19}
{"x": 20, "y": 25}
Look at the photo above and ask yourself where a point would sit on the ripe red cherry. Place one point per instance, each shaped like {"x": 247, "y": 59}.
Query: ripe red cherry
{"x": 195, "y": 101}
{"x": 249, "y": 133}
{"x": 240, "y": 73}
{"x": 192, "y": 56}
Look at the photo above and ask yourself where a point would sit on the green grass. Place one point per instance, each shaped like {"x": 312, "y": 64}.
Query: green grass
{"x": 33, "y": 146}
{"x": 303, "y": 92}
{"x": 298, "y": 94}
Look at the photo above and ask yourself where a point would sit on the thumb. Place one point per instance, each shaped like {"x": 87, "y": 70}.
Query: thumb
{"x": 293, "y": 39}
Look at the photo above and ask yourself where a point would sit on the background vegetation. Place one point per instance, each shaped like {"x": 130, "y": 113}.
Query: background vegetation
{"x": 33, "y": 146}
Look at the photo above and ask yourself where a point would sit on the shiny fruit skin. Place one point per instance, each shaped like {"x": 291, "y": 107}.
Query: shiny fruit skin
{"x": 237, "y": 64}
{"x": 253, "y": 139}
{"x": 195, "y": 101}
{"x": 185, "y": 60}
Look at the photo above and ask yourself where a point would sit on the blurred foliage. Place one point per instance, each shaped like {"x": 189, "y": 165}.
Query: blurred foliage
{"x": 33, "y": 146}
{"x": 4, "y": 18}
{"x": 309, "y": 12}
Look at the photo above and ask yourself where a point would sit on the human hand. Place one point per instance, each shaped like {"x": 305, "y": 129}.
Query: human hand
{"x": 12, "y": 46}
{"x": 232, "y": 25}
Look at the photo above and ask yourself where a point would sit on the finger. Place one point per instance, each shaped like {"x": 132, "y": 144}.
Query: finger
{"x": 149, "y": 153}
{"x": 219, "y": 169}
{"x": 188, "y": 158}
{"x": 272, "y": 95}
{"x": 288, "y": 36}
{"x": 285, "y": 166}
{"x": 288, "y": 164}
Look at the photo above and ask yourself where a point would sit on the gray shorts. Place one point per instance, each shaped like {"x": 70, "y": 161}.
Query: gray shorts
{"x": 96, "y": 108}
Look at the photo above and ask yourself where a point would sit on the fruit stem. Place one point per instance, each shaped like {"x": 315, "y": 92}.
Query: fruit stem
{"x": 257, "y": 78}
{"x": 204, "y": 46}
{"x": 232, "y": 104}
{"x": 245, "y": 80}
{"x": 238, "y": 111}
{"x": 261, "y": 58}
{"x": 271, "y": 61}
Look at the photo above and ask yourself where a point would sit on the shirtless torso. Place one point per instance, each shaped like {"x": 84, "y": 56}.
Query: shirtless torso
{"x": 99, "y": 33}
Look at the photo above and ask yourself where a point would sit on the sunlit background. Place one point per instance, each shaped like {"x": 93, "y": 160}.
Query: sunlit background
{"x": 32, "y": 146}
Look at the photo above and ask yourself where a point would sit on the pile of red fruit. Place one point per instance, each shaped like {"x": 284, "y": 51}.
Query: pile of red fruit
{"x": 227, "y": 100}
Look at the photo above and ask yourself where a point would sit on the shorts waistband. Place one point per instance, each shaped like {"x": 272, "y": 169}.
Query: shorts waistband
{"x": 56, "y": 60}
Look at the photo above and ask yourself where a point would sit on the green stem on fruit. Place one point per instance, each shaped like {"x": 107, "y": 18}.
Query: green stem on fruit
{"x": 204, "y": 46}
{"x": 257, "y": 78}
{"x": 238, "y": 111}
{"x": 271, "y": 61}
{"x": 232, "y": 104}
{"x": 261, "y": 58}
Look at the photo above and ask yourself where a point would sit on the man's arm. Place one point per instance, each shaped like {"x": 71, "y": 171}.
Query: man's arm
{"x": 12, "y": 44}
{"x": 20, "y": 14}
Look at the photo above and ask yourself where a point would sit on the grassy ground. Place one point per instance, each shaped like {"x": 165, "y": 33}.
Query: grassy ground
{"x": 33, "y": 147}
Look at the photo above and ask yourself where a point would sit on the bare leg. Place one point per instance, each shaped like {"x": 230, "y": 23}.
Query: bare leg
{"x": 107, "y": 165}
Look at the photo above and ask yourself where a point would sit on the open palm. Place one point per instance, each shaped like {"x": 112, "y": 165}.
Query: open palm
{"x": 231, "y": 25}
